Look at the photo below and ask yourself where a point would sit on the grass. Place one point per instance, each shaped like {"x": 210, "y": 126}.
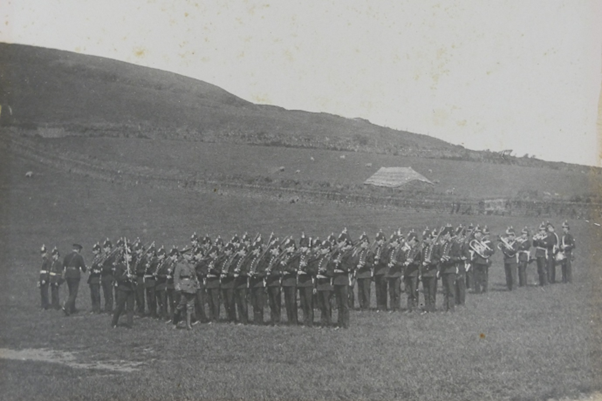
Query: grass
{"x": 531, "y": 344}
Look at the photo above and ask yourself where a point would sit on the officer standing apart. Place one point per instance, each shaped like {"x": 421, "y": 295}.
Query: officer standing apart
{"x": 73, "y": 267}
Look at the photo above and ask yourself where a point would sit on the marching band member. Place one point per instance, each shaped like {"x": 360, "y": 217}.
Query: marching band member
{"x": 509, "y": 247}
{"x": 552, "y": 244}
{"x": 305, "y": 282}
{"x": 481, "y": 259}
{"x": 451, "y": 255}
{"x": 428, "y": 272}
{"x": 413, "y": 261}
{"x": 524, "y": 245}
{"x": 462, "y": 265}
{"x": 468, "y": 254}
{"x": 44, "y": 279}
{"x": 396, "y": 261}
{"x": 226, "y": 266}
{"x": 381, "y": 268}
{"x": 324, "y": 287}
{"x": 364, "y": 271}
{"x": 566, "y": 247}
{"x": 541, "y": 254}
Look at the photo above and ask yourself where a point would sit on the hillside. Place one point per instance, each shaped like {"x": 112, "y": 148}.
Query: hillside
{"x": 60, "y": 93}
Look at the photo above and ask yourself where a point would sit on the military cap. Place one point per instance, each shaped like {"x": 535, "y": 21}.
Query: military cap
{"x": 96, "y": 247}
{"x": 412, "y": 235}
{"x": 43, "y": 249}
{"x": 446, "y": 230}
{"x": 548, "y": 224}
{"x": 380, "y": 236}
{"x": 258, "y": 240}
{"x": 303, "y": 241}
{"x": 55, "y": 251}
{"x": 194, "y": 237}
{"x": 174, "y": 251}
{"x": 212, "y": 250}
{"x": 343, "y": 236}
{"x": 525, "y": 230}
{"x": 107, "y": 243}
{"x": 459, "y": 230}
{"x": 245, "y": 237}
{"x": 325, "y": 245}
{"x": 230, "y": 247}
{"x": 394, "y": 237}
{"x": 206, "y": 240}
{"x": 161, "y": 251}
{"x": 426, "y": 234}
{"x": 235, "y": 239}
{"x": 119, "y": 242}
{"x": 542, "y": 226}
{"x": 364, "y": 238}
{"x": 78, "y": 247}
{"x": 316, "y": 243}
{"x": 485, "y": 230}
{"x": 510, "y": 230}
{"x": 289, "y": 243}
{"x": 565, "y": 224}
{"x": 332, "y": 239}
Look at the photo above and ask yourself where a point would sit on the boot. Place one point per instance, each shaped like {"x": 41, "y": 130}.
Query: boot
{"x": 188, "y": 320}
{"x": 176, "y": 318}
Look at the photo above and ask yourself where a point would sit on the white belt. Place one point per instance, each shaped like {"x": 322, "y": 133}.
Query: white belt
{"x": 43, "y": 272}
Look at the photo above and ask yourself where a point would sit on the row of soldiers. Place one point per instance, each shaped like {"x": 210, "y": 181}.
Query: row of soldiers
{"x": 177, "y": 284}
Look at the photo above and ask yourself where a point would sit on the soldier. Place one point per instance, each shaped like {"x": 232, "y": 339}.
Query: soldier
{"x": 509, "y": 247}
{"x": 125, "y": 280}
{"x": 364, "y": 272}
{"x": 481, "y": 259}
{"x": 186, "y": 283}
{"x": 140, "y": 263}
{"x": 566, "y": 247}
{"x": 161, "y": 274}
{"x": 273, "y": 277}
{"x": 462, "y": 266}
{"x": 94, "y": 278}
{"x": 73, "y": 267}
{"x": 541, "y": 254}
{"x": 324, "y": 274}
{"x": 201, "y": 267}
{"x": 212, "y": 284}
{"x": 428, "y": 273}
{"x": 106, "y": 275}
{"x": 396, "y": 261}
{"x": 381, "y": 269}
{"x": 552, "y": 245}
{"x": 44, "y": 279}
{"x": 341, "y": 265}
{"x": 172, "y": 295}
{"x": 524, "y": 245}
{"x": 413, "y": 261}
{"x": 225, "y": 265}
{"x": 305, "y": 281}
{"x": 150, "y": 280}
{"x": 257, "y": 274}
{"x": 241, "y": 282}
{"x": 468, "y": 253}
{"x": 289, "y": 265}
{"x": 56, "y": 278}
{"x": 451, "y": 255}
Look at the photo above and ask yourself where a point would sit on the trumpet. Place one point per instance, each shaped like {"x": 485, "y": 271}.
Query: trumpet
{"x": 480, "y": 248}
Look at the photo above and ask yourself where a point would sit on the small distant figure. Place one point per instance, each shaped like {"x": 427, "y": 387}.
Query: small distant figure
{"x": 73, "y": 267}
{"x": 56, "y": 278}
{"x": 44, "y": 280}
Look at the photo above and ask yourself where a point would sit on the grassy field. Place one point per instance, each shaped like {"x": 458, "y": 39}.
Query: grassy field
{"x": 531, "y": 344}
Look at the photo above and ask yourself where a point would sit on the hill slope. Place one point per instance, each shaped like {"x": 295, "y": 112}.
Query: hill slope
{"x": 99, "y": 96}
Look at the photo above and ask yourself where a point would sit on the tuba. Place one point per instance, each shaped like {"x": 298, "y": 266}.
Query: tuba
{"x": 479, "y": 248}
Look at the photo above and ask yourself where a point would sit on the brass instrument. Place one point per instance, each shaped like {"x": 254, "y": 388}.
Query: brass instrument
{"x": 479, "y": 248}
{"x": 504, "y": 244}
{"x": 560, "y": 256}
{"x": 540, "y": 236}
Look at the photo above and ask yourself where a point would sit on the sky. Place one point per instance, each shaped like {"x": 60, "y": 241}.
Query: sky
{"x": 497, "y": 74}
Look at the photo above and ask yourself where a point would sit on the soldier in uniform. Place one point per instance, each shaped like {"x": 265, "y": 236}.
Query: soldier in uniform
{"x": 305, "y": 281}
{"x": 186, "y": 283}
{"x": 413, "y": 261}
{"x": 139, "y": 269}
{"x": 172, "y": 295}
{"x": 226, "y": 267}
{"x": 481, "y": 262}
{"x": 428, "y": 274}
{"x": 552, "y": 245}
{"x": 212, "y": 284}
{"x": 396, "y": 261}
{"x": 381, "y": 269}
{"x": 161, "y": 274}
{"x": 289, "y": 264}
{"x": 94, "y": 278}
{"x": 241, "y": 282}
{"x": 341, "y": 265}
{"x": 257, "y": 269}
{"x": 324, "y": 273}
{"x": 150, "y": 280}
{"x": 125, "y": 280}
{"x": 451, "y": 255}
{"x": 567, "y": 244}
{"x": 273, "y": 276}
{"x": 541, "y": 254}
{"x": 201, "y": 267}
{"x": 73, "y": 267}
{"x": 106, "y": 275}
{"x": 524, "y": 245}
{"x": 44, "y": 279}
{"x": 56, "y": 278}
{"x": 509, "y": 247}
{"x": 364, "y": 272}
{"x": 462, "y": 266}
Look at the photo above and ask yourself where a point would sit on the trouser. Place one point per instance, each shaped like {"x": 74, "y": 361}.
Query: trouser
{"x": 162, "y": 303}
{"x": 199, "y": 305}
{"x": 481, "y": 273}
{"x": 44, "y": 295}
{"x": 140, "y": 296}
{"x": 567, "y": 270}
{"x": 228, "y": 298}
{"x": 394, "y": 293}
{"x": 429, "y": 287}
{"x": 448, "y": 281}
{"x": 542, "y": 270}
{"x": 125, "y": 300}
{"x": 351, "y": 295}
{"x": 107, "y": 292}
{"x": 185, "y": 303}
{"x": 411, "y": 284}
{"x": 363, "y": 292}
{"x": 460, "y": 288}
{"x": 551, "y": 267}
{"x": 522, "y": 273}
{"x": 95, "y": 297}
{"x": 340, "y": 292}
{"x": 511, "y": 275}
{"x": 258, "y": 303}
{"x": 470, "y": 277}
{"x": 306, "y": 299}
{"x": 73, "y": 285}
{"x": 275, "y": 301}
{"x": 325, "y": 308}
{"x": 54, "y": 295}
{"x": 173, "y": 298}
{"x": 240, "y": 299}
{"x": 290, "y": 303}
{"x": 151, "y": 301}
{"x": 380, "y": 288}
{"x": 214, "y": 304}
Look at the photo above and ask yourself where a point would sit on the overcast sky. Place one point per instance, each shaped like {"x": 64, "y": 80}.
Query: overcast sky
{"x": 506, "y": 74}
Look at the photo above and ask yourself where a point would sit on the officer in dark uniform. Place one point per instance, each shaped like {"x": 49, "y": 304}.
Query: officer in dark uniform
{"x": 524, "y": 246}
{"x": 413, "y": 261}
{"x": 381, "y": 269}
{"x": 125, "y": 280}
{"x": 258, "y": 264}
{"x": 241, "y": 282}
{"x": 324, "y": 274}
{"x": 305, "y": 281}
{"x": 226, "y": 266}
{"x": 567, "y": 245}
{"x": 44, "y": 279}
{"x": 186, "y": 283}
{"x": 212, "y": 284}
{"x": 481, "y": 262}
{"x": 150, "y": 280}
{"x": 364, "y": 272}
{"x": 94, "y": 278}
{"x": 201, "y": 264}
{"x": 139, "y": 269}
{"x": 541, "y": 254}
{"x": 73, "y": 267}
{"x": 396, "y": 261}
{"x": 509, "y": 247}
{"x": 428, "y": 275}
{"x": 162, "y": 273}
{"x": 106, "y": 275}
{"x": 273, "y": 277}
{"x": 552, "y": 245}
{"x": 56, "y": 278}
{"x": 289, "y": 265}
{"x": 451, "y": 256}
{"x": 341, "y": 265}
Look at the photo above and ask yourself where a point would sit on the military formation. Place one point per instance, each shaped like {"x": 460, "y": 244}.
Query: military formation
{"x": 189, "y": 285}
